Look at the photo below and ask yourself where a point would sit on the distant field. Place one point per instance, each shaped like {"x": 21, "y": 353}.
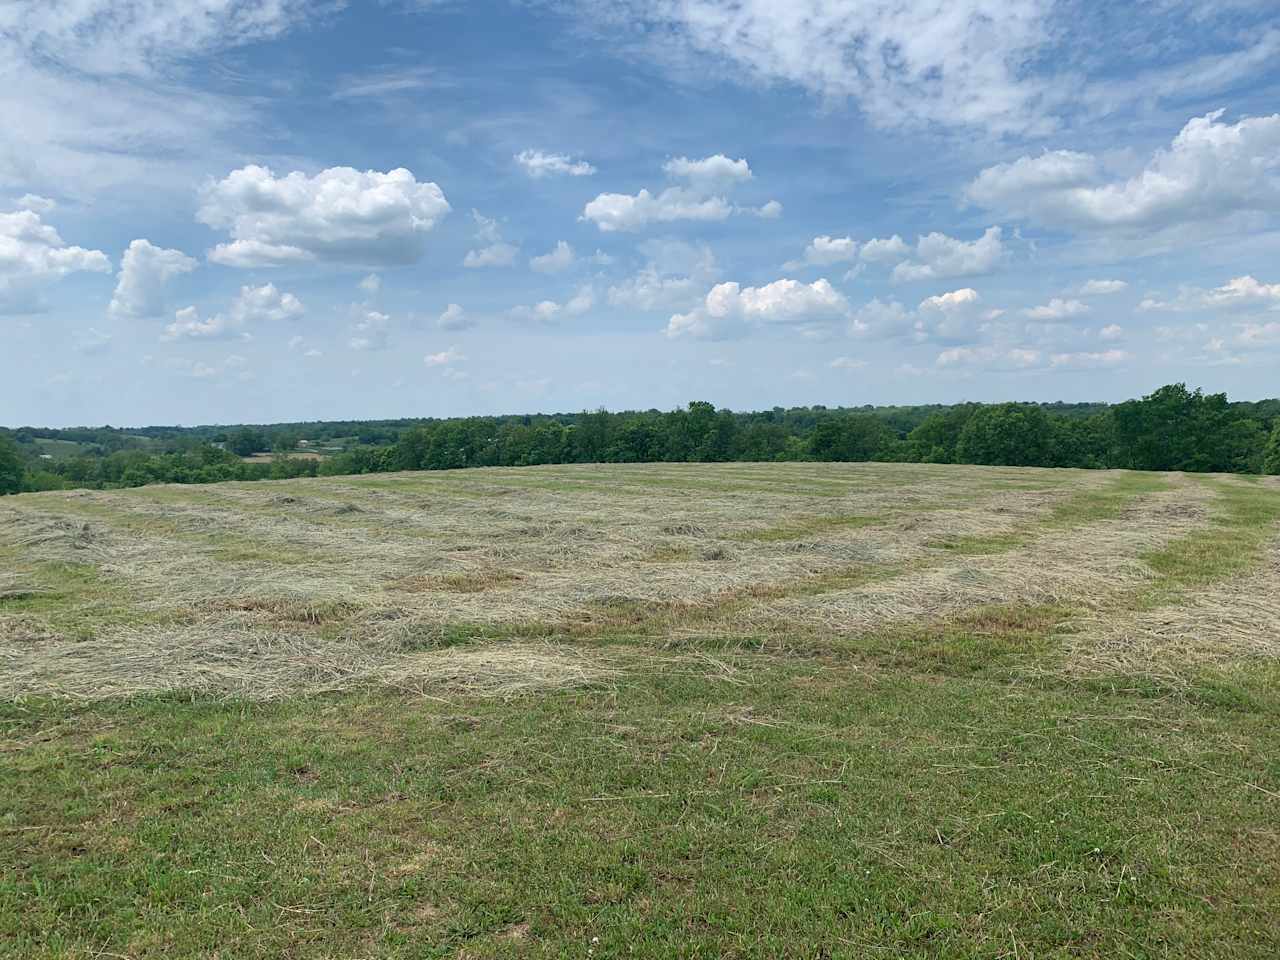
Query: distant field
{"x": 732, "y": 710}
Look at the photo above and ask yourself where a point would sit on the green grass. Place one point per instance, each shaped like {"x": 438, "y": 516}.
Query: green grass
{"x": 811, "y": 809}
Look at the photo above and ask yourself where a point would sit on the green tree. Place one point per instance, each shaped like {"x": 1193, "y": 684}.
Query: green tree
{"x": 1173, "y": 429}
{"x": 11, "y": 469}
{"x": 1271, "y": 460}
{"x": 856, "y": 437}
{"x": 1008, "y": 434}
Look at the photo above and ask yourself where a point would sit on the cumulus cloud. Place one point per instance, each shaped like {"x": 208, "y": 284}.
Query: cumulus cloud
{"x": 252, "y": 306}
{"x": 769, "y": 211}
{"x": 938, "y": 256}
{"x": 1057, "y": 309}
{"x": 993, "y": 358}
{"x": 557, "y": 260}
{"x": 847, "y": 363}
{"x": 825, "y": 251}
{"x": 888, "y": 249}
{"x": 32, "y": 254}
{"x": 1209, "y": 172}
{"x": 371, "y": 285}
{"x": 454, "y": 318}
{"x": 697, "y": 201}
{"x": 1111, "y": 332}
{"x": 371, "y": 330}
{"x": 444, "y": 358}
{"x": 626, "y": 212}
{"x": 495, "y": 255}
{"x": 717, "y": 172}
{"x": 1100, "y": 288}
{"x": 1239, "y": 292}
{"x": 1088, "y": 360}
{"x": 538, "y": 164}
{"x": 145, "y": 271}
{"x": 730, "y": 309}
{"x": 492, "y": 251}
{"x": 339, "y": 215}
{"x": 956, "y": 317}
{"x": 549, "y": 311}
{"x": 674, "y": 277}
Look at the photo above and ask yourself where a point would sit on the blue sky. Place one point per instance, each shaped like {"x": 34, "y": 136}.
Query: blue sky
{"x": 262, "y": 210}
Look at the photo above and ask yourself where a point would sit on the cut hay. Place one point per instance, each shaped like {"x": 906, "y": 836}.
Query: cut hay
{"x": 315, "y": 584}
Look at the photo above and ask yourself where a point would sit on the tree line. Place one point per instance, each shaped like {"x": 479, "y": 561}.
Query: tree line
{"x": 1174, "y": 428}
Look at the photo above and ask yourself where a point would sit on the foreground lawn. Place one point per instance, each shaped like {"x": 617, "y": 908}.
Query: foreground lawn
{"x": 744, "y": 807}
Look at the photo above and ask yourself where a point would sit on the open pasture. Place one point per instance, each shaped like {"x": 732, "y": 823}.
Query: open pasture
{"x": 749, "y": 710}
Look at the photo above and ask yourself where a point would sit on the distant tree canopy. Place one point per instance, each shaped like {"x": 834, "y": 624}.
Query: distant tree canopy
{"x": 1173, "y": 428}
{"x": 11, "y": 468}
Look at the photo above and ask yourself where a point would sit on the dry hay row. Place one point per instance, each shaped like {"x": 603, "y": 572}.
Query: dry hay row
{"x": 1084, "y": 566}
{"x": 1235, "y": 621}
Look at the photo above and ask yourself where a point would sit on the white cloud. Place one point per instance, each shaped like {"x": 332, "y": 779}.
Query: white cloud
{"x": 964, "y": 63}
{"x": 340, "y": 215}
{"x": 938, "y": 256}
{"x": 494, "y": 255}
{"x": 545, "y": 311}
{"x": 847, "y": 363}
{"x": 956, "y": 317}
{"x": 188, "y": 325}
{"x": 454, "y": 318}
{"x": 559, "y": 259}
{"x": 36, "y": 204}
{"x": 1209, "y": 172}
{"x": 699, "y": 201}
{"x": 674, "y": 277}
{"x": 887, "y": 250}
{"x": 1239, "y": 292}
{"x": 372, "y": 284}
{"x": 93, "y": 341}
{"x": 1099, "y": 288}
{"x": 1111, "y": 332}
{"x": 712, "y": 173}
{"x": 731, "y": 309}
{"x": 32, "y": 254}
{"x": 1088, "y": 361}
{"x": 370, "y": 330}
{"x": 1057, "y": 309}
{"x": 493, "y": 250}
{"x": 539, "y": 164}
{"x": 548, "y": 311}
{"x": 145, "y": 271}
{"x": 769, "y": 211}
{"x": 444, "y": 358}
{"x": 624, "y": 212}
{"x": 824, "y": 251}
{"x": 990, "y": 357}
{"x": 100, "y": 91}
{"x": 252, "y": 305}
{"x": 265, "y": 304}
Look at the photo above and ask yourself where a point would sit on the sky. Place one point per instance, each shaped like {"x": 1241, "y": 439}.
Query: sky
{"x": 219, "y": 211}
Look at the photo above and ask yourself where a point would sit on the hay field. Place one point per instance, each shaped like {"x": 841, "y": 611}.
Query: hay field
{"x": 591, "y": 674}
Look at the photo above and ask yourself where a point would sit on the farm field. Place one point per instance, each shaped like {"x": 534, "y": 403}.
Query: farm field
{"x": 711, "y": 710}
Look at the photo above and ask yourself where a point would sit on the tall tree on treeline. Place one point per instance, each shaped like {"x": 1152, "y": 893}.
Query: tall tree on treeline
{"x": 1173, "y": 429}
{"x": 11, "y": 469}
{"x": 1009, "y": 434}
{"x": 1271, "y": 460}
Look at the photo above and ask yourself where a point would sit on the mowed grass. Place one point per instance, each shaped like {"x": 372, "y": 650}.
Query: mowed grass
{"x": 932, "y": 788}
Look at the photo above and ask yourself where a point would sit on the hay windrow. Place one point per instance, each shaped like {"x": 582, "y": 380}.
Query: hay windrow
{"x": 315, "y": 584}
